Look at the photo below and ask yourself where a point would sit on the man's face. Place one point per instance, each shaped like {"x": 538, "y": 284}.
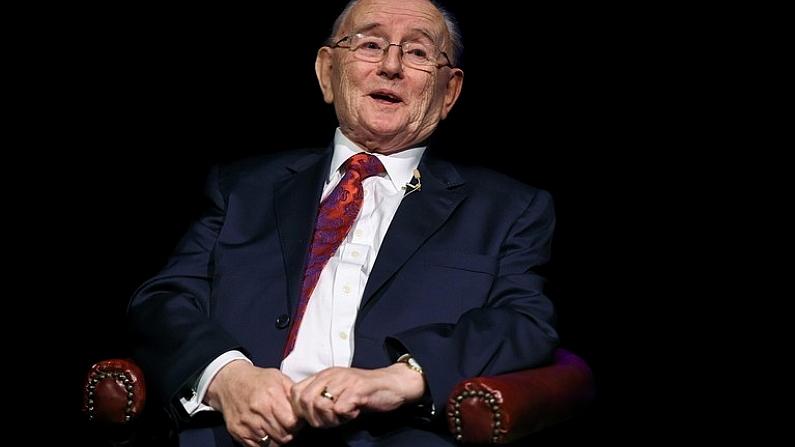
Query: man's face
{"x": 386, "y": 106}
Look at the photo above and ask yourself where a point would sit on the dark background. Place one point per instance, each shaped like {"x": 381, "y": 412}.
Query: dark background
{"x": 140, "y": 102}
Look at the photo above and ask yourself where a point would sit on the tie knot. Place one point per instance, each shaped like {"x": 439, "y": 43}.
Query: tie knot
{"x": 364, "y": 164}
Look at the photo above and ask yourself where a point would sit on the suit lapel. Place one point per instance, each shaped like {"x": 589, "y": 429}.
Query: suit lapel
{"x": 296, "y": 220}
{"x": 419, "y": 215}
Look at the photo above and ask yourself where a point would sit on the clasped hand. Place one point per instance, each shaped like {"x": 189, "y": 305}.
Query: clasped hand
{"x": 262, "y": 401}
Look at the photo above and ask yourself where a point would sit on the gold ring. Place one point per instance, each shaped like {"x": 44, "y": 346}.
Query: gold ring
{"x": 325, "y": 393}
{"x": 265, "y": 441}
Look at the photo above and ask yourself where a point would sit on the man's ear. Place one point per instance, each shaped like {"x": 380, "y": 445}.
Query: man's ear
{"x": 323, "y": 68}
{"x": 454, "y": 85}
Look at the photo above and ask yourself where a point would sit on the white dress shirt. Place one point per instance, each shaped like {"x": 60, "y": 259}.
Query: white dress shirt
{"x": 325, "y": 337}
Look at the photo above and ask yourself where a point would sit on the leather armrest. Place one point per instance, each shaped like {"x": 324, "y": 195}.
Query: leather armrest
{"x": 501, "y": 409}
{"x": 114, "y": 392}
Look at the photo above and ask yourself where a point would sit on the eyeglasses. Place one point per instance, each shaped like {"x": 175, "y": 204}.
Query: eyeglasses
{"x": 374, "y": 49}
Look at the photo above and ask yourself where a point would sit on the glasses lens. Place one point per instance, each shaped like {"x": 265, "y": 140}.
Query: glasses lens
{"x": 417, "y": 54}
{"x": 369, "y": 48}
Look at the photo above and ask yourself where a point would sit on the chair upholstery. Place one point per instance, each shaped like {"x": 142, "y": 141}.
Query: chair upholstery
{"x": 504, "y": 408}
{"x": 487, "y": 410}
{"x": 114, "y": 392}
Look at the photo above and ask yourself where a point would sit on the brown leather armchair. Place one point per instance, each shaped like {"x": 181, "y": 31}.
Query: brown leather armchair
{"x": 488, "y": 410}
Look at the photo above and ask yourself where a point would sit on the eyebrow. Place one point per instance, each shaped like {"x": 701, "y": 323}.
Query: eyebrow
{"x": 372, "y": 26}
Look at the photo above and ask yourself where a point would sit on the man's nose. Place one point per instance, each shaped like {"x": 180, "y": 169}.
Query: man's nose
{"x": 393, "y": 58}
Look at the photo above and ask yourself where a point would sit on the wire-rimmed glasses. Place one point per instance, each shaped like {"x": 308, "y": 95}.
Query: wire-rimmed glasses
{"x": 414, "y": 54}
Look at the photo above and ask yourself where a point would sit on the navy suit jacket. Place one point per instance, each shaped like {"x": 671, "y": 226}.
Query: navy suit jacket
{"x": 455, "y": 283}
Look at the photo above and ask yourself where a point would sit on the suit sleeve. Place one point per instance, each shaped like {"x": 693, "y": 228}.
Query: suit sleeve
{"x": 168, "y": 316}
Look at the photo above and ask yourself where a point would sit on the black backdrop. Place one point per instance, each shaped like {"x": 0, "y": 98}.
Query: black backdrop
{"x": 142, "y": 101}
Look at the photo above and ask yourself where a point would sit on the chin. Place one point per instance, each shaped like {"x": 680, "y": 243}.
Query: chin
{"x": 385, "y": 125}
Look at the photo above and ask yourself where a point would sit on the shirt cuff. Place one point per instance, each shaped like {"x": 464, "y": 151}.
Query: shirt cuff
{"x": 194, "y": 404}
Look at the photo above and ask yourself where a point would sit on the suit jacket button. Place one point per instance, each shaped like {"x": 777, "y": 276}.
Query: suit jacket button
{"x": 282, "y": 321}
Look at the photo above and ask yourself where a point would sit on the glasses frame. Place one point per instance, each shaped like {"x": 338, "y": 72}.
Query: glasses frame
{"x": 350, "y": 48}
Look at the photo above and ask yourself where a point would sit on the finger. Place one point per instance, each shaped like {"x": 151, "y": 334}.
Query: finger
{"x": 257, "y": 441}
{"x": 325, "y": 393}
{"x": 316, "y": 409}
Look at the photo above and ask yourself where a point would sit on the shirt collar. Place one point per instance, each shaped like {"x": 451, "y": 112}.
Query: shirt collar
{"x": 399, "y": 166}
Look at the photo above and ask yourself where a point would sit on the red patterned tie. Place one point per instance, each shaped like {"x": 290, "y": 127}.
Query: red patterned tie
{"x": 335, "y": 217}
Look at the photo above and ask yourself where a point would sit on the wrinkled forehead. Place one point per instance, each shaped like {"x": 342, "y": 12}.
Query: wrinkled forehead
{"x": 397, "y": 20}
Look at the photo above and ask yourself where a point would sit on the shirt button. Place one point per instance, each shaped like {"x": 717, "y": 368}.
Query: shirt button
{"x": 359, "y": 233}
{"x": 346, "y": 289}
{"x": 355, "y": 254}
{"x": 343, "y": 335}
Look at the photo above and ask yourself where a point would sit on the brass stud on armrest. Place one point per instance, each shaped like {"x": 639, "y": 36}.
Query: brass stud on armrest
{"x": 98, "y": 377}
{"x": 493, "y": 404}
{"x": 114, "y": 393}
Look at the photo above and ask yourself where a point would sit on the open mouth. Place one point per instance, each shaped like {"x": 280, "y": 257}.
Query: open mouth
{"x": 385, "y": 97}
